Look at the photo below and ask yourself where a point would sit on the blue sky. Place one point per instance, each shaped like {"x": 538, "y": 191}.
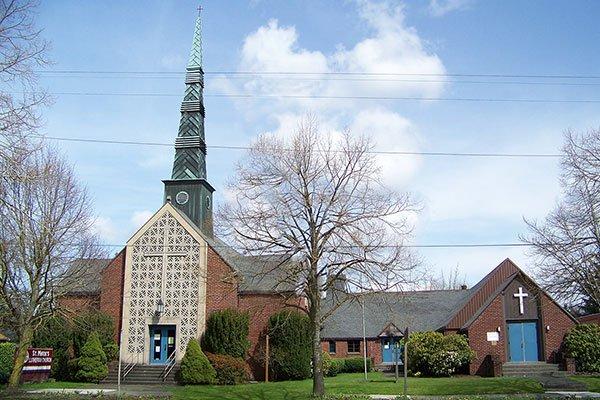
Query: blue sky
{"x": 466, "y": 200}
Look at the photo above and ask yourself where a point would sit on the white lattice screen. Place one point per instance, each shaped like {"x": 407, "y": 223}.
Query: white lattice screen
{"x": 165, "y": 263}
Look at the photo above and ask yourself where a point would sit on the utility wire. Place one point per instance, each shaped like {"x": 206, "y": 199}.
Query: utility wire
{"x": 431, "y": 246}
{"x": 328, "y": 73}
{"x": 327, "y": 97}
{"x": 382, "y": 152}
{"x": 344, "y": 79}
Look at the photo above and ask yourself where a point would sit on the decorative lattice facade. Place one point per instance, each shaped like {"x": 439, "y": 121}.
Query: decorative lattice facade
{"x": 166, "y": 260}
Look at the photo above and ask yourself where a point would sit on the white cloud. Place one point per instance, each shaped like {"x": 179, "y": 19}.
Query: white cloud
{"x": 105, "y": 228}
{"x": 391, "y": 132}
{"x": 139, "y": 218}
{"x": 392, "y": 47}
{"x": 439, "y": 8}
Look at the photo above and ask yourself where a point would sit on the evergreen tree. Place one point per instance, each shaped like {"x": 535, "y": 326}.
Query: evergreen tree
{"x": 227, "y": 333}
{"x": 195, "y": 368}
{"x": 91, "y": 364}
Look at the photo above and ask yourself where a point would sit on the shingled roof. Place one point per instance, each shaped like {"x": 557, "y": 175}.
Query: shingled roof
{"x": 426, "y": 310}
{"x": 84, "y": 276}
{"x": 257, "y": 273}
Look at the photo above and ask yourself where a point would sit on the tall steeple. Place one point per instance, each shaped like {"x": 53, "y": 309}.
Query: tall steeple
{"x": 188, "y": 188}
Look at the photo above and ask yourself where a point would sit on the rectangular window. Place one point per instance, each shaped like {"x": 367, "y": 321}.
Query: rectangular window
{"x": 353, "y": 346}
{"x": 332, "y": 346}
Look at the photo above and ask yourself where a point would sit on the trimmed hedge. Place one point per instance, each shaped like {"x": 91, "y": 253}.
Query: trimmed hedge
{"x": 291, "y": 353}
{"x": 227, "y": 333}
{"x": 195, "y": 368}
{"x": 7, "y": 358}
{"x": 435, "y": 354}
{"x": 583, "y": 344}
{"x": 92, "y": 362}
{"x": 332, "y": 366}
{"x": 230, "y": 370}
{"x": 355, "y": 364}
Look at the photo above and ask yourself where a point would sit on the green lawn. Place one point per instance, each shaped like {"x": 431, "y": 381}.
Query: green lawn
{"x": 592, "y": 382}
{"x": 354, "y": 384}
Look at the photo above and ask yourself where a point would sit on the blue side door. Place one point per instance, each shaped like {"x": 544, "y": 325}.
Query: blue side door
{"x": 390, "y": 349}
{"x": 522, "y": 341}
{"x": 530, "y": 341}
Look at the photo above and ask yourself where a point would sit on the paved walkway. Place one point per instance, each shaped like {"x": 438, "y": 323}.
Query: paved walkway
{"x": 156, "y": 391}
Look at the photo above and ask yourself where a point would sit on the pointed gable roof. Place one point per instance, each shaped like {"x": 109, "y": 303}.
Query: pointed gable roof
{"x": 486, "y": 290}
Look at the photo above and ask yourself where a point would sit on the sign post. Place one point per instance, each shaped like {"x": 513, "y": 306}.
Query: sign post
{"x": 406, "y": 361}
{"x": 267, "y": 359}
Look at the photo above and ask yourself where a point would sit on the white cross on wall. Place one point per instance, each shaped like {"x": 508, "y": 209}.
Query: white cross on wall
{"x": 164, "y": 254}
{"x": 521, "y": 295}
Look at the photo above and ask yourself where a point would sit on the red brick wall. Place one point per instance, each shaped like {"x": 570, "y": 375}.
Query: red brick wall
{"x": 111, "y": 298}
{"x": 559, "y": 323}
{"x": 261, "y": 307}
{"x": 590, "y": 319}
{"x": 75, "y": 304}
{"x": 341, "y": 349}
{"x": 489, "y": 320}
{"x": 221, "y": 284}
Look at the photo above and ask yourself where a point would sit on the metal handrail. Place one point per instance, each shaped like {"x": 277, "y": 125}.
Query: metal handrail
{"x": 170, "y": 364}
{"x": 130, "y": 364}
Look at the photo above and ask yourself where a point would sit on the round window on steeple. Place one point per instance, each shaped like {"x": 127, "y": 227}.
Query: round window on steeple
{"x": 182, "y": 197}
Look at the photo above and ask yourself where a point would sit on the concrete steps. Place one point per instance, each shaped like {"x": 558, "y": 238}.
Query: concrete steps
{"x": 531, "y": 369}
{"x": 142, "y": 375}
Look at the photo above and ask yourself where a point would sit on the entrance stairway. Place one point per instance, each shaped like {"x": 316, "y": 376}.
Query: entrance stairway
{"x": 530, "y": 369}
{"x": 142, "y": 375}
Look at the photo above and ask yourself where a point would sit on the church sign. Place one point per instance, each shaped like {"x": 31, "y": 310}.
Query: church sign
{"x": 38, "y": 363}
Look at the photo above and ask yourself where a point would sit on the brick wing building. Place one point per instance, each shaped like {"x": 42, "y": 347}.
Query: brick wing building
{"x": 507, "y": 317}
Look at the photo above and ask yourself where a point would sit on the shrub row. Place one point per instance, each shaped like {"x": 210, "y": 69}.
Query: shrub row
{"x": 7, "y": 356}
{"x": 334, "y": 366}
{"x": 583, "y": 344}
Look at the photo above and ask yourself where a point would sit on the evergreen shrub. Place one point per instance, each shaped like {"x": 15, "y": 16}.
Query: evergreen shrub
{"x": 91, "y": 364}
{"x": 332, "y": 366}
{"x": 355, "y": 364}
{"x": 435, "y": 354}
{"x": 92, "y": 321}
{"x": 583, "y": 344}
{"x": 227, "y": 333}
{"x": 290, "y": 345}
{"x": 112, "y": 351}
{"x": 230, "y": 370}
{"x": 195, "y": 368}
{"x": 7, "y": 358}
{"x": 57, "y": 333}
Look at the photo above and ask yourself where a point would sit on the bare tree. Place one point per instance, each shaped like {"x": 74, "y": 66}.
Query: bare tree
{"x": 45, "y": 227}
{"x": 22, "y": 50}
{"x": 318, "y": 201}
{"x": 566, "y": 245}
{"x": 451, "y": 281}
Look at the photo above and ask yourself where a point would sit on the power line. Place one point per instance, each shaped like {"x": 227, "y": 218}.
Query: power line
{"x": 344, "y": 79}
{"x": 382, "y": 152}
{"x": 329, "y": 73}
{"x": 329, "y": 97}
{"x": 429, "y": 245}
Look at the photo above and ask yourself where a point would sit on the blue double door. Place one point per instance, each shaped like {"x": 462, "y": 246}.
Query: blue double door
{"x": 390, "y": 349}
{"x": 162, "y": 343}
{"x": 523, "y": 341}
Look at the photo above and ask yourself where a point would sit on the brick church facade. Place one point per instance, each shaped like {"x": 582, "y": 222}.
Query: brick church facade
{"x": 506, "y": 316}
{"x": 174, "y": 272}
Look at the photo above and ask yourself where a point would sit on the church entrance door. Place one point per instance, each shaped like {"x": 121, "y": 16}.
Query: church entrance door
{"x": 522, "y": 341}
{"x": 389, "y": 347}
{"x": 162, "y": 343}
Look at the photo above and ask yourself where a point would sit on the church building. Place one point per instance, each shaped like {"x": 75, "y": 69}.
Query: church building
{"x": 174, "y": 272}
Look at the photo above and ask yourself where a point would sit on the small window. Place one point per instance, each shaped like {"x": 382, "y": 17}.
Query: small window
{"x": 353, "y": 346}
{"x": 332, "y": 346}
